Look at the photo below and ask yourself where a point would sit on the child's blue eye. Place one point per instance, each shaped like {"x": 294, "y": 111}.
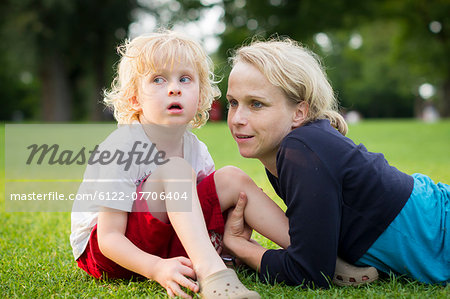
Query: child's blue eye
{"x": 185, "y": 79}
{"x": 158, "y": 80}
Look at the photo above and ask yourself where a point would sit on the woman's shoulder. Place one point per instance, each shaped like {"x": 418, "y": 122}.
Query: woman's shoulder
{"x": 320, "y": 142}
{"x": 316, "y": 133}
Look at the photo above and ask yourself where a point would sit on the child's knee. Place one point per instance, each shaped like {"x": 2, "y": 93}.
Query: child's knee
{"x": 231, "y": 177}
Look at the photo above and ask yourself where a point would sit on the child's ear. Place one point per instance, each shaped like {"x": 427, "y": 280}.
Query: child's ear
{"x": 300, "y": 115}
{"x": 135, "y": 103}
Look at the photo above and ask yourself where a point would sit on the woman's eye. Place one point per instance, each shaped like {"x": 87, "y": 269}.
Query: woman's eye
{"x": 185, "y": 79}
{"x": 232, "y": 103}
{"x": 257, "y": 104}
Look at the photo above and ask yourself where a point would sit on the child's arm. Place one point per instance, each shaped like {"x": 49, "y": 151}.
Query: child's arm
{"x": 170, "y": 273}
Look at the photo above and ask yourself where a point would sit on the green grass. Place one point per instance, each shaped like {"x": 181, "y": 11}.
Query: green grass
{"x": 36, "y": 258}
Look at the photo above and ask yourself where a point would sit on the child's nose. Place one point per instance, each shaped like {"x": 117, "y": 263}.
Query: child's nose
{"x": 174, "y": 92}
{"x": 174, "y": 89}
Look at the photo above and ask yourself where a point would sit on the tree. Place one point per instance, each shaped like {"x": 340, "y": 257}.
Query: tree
{"x": 416, "y": 50}
{"x": 376, "y": 87}
{"x": 425, "y": 42}
{"x": 69, "y": 48}
{"x": 65, "y": 43}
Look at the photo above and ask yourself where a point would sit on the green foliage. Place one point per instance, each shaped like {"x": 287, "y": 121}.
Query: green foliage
{"x": 68, "y": 51}
{"x": 36, "y": 259}
{"x": 62, "y": 45}
{"x": 376, "y": 87}
{"x": 380, "y": 79}
{"x": 58, "y": 55}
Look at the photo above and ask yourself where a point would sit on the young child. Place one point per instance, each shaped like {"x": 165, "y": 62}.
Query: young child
{"x": 164, "y": 86}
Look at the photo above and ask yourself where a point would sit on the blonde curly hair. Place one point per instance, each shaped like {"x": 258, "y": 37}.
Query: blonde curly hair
{"x": 299, "y": 74}
{"x": 142, "y": 56}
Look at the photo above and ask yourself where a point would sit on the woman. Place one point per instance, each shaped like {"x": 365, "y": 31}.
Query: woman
{"x": 341, "y": 199}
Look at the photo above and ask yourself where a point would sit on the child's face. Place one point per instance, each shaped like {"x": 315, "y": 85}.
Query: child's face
{"x": 169, "y": 96}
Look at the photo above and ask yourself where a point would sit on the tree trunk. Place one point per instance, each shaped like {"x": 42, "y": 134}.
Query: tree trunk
{"x": 96, "y": 107}
{"x": 56, "y": 94}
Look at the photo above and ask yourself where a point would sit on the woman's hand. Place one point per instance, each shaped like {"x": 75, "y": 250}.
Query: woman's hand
{"x": 173, "y": 273}
{"x": 235, "y": 226}
{"x": 237, "y": 236}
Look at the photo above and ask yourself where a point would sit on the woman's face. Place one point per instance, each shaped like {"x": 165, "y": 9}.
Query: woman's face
{"x": 259, "y": 115}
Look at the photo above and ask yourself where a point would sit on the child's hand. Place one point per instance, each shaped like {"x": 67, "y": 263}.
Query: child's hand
{"x": 171, "y": 274}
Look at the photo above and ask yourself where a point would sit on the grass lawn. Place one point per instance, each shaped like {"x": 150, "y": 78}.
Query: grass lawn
{"x": 36, "y": 258}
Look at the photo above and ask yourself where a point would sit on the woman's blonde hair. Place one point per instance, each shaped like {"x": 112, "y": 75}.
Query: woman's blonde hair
{"x": 144, "y": 55}
{"x": 298, "y": 72}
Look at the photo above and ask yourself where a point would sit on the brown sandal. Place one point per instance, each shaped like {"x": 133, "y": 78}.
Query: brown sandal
{"x": 225, "y": 284}
{"x": 349, "y": 275}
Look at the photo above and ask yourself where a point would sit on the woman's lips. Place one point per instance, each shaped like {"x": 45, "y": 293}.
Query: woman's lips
{"x": 243, "y": 138}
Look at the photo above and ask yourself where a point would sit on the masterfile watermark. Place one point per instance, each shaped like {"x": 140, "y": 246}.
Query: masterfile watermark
{"x": 82, "y": 167}
{"x": 103, "y": 157}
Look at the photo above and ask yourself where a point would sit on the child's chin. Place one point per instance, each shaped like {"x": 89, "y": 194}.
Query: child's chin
{"x": 177, "y": 123}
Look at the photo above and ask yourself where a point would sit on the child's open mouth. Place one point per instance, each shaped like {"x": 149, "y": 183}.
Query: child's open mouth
{"x": 175, "y": 108}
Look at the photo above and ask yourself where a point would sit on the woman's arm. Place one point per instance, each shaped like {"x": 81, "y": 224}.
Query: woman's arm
{"x": 312, "y": 196}
{"x": 237, "y": 236}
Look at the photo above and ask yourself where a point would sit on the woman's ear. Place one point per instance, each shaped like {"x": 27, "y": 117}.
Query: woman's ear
{"x": 300, "y": 115}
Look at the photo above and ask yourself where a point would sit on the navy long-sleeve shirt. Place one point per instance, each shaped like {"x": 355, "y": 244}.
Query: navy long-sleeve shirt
{"x": 339, "y": 199}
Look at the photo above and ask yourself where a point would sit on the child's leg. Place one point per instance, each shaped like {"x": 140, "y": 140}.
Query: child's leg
{"x": 177, "y": 178}
{"x": 261, "y": 212}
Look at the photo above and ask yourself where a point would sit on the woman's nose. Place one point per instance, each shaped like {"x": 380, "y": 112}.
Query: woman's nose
{"x": 238, "y": 117}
